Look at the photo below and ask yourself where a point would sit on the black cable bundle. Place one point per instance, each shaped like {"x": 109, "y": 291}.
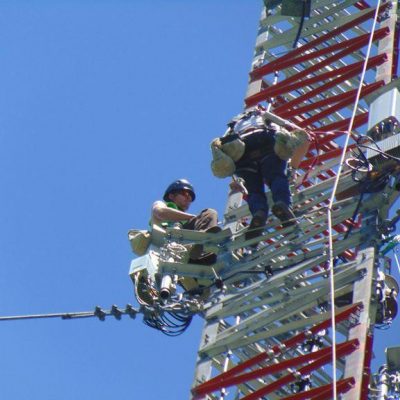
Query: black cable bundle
{"x": 171, "y": 323}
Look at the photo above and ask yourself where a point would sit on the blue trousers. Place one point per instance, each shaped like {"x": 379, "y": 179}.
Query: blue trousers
{"x": 270, "y": 170}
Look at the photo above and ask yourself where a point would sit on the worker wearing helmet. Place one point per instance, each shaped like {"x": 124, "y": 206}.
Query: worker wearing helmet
{"x": 178, "y": 197}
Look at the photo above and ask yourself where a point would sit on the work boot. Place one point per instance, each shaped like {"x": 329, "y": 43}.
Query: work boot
{"x": 193, "y": 288}
{"x": 213, "y": 229}
{"x": 196, "y": 251}
{"x": 284, "y": 213}
{"x": 256, "y": 226}
{"x": 204, "y": 259}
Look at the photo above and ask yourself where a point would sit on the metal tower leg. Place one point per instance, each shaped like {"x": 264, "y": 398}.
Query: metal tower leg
{"x": 357, "y": 364}
{"x": 269, "y": 334}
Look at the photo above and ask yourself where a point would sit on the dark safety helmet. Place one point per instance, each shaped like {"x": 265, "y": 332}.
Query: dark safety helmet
{"x": 180, "y": 184}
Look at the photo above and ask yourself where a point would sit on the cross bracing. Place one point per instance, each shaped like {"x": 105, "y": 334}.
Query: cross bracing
{"x": 268, "y": 332}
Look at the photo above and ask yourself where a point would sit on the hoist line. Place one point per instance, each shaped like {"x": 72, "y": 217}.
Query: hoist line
{"x": 98, "y": 312}
{"x": 335, "y": 186}
{"x": 397, "y": 261}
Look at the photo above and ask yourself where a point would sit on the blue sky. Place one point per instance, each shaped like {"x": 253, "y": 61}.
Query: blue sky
{"x": 102, "y": 104}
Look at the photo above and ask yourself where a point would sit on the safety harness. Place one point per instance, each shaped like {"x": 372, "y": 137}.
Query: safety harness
{"x": 249, "y": 138}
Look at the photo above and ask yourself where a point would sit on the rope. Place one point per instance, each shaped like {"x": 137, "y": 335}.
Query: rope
{"x": 335, "y": 186}
{"x": 397, "y": 261}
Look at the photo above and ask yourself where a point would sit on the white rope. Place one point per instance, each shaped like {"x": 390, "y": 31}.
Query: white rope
{"x": 397, "y": 261}
{"x": 335, "y": 186}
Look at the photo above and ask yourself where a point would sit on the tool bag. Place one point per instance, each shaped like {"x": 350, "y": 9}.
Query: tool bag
{"x": 140, "y": 241}
{"x": 222, "y": 165}
{"x": 287, "y": 143}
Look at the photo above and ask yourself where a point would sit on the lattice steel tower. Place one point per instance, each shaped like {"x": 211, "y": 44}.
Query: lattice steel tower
{"x": 330, "y": 67}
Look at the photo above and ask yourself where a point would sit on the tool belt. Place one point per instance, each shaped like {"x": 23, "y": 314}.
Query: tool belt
{"x": 231, "y": 150}
{"x": 235, "y": 150}
{"x": 258, "y": 144}
{"x": 287, "y": 143}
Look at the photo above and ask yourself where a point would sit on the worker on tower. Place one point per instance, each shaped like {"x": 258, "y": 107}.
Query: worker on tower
{"x": 178, "y": 197}
{"x": 257, "y": 151}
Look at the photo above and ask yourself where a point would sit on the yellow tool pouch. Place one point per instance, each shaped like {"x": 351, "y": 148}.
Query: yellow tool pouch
{"x": 221, "y": 165}
{"x": 287, "y": 142}
{"x": 140, "y": 241}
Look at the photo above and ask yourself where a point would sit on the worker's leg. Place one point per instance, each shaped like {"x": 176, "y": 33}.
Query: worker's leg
{"x": 274, "y": 172}
{"x": 253, "y": 181}
{"x": 256, "y": 200}
{"x": 207, "y": 220}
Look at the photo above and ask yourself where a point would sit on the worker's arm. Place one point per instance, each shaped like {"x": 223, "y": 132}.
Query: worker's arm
{"x": 164, "y": 213}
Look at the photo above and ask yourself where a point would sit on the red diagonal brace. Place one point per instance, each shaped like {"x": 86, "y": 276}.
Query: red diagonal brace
{"x": 275, "y": 368}
{"x": 343, "y": 75}
{"x": 337, "y": 99}
{"x": 338, "y": 106}
{"x": 324, "y": 138}
{"x": 284, "y": 87}
{"x": 263, "y": 94}
{"x": 342, "y": 350}
{"x": 323, "y": 157}
{"x": 358, "y": 42}
{"x": 362, "y": 5}
{"x": 323, "y": 392}
{"x": 277, "y": 349}
{"x": 271, "y": 67}
{"x": 359, "y": 120}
